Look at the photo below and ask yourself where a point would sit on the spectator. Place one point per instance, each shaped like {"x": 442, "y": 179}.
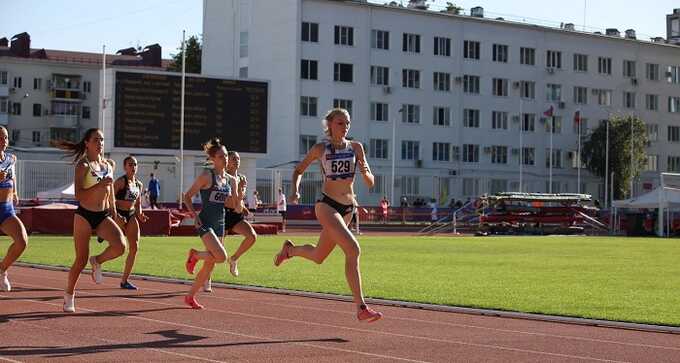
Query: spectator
{"x": 433, "y": 206}
{"x": 404, "y": 206}
{"x": 254, "y": 201}
{"x": 281, "y": 208}
{"x": 154, "y": 191}
{"x": 384, "y": 207}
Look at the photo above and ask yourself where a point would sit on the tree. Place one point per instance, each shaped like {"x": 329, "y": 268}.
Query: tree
{"x": 593, "y": 152}
{"x": 193, "y": 60}
{"x": 453, "y": 8}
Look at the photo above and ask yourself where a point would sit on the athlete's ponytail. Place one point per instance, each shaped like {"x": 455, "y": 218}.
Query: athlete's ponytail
{"x": 73, "y": 149}
{"x": 213, "y": 146}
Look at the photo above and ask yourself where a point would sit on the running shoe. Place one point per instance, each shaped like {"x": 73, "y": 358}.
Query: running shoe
{"x": 69, "y": 303}
{"x": 191, "y": 261}
{"x": 284, "y": 253}
{"x": 368, "y": 315}
{"x": 191, "y": 301}
{"x": 127, "y": 286}
{"x": 97, "y": 276}
{"x": 233, "y": 266}
{"x": 4, "y": 282}
{"x": 207, "y": 286}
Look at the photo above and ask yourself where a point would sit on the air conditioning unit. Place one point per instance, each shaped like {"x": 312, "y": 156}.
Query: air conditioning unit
{"x": 515, "y": 84}
{"x": 560, "y": 105}
{"x": 459, "y": 79}
{"x": 419, "y": 163}
{"x": 550, "y": 70}
{"x": 487, "y": 149}
{"x": 515, "y": 118}
{"x": 453, "y": 172}
{"x": 634, "y": 81}
{"x": 514, "y": 151}
{"x": 387, "y": 90}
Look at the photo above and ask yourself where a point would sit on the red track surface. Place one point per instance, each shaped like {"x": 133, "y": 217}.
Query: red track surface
{"x": 153, "y": 325}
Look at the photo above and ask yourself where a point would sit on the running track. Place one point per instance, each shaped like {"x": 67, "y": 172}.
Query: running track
{"x": 153, "y": 325}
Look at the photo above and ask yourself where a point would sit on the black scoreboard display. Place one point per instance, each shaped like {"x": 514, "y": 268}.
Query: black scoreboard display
{"x": 147, "y": 112}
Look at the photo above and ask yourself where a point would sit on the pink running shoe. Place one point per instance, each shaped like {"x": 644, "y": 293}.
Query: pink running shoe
{"x": 284, "y": 253}
{"x": 368, "y": 315}
{"x": 191, "y": 261}
{"x": 191, "y": 301}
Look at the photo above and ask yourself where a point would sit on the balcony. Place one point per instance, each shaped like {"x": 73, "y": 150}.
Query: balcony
{"x": 65, "y": 82}
{"x": 64, "y": 121}
{"x": 4, "y": 90}
{"x": 66, "y": 95}
{"x": 4, "y": 119}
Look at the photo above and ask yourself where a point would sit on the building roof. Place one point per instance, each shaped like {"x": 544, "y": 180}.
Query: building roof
{"x": 66, "y": 56}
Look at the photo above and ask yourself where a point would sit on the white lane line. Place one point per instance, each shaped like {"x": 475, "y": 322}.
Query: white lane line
{"x": 10, "y": 360}
{"x": 457, "y": 342}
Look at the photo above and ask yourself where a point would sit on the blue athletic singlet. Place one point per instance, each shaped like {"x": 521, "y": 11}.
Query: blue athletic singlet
{"x": 212, "y": 212}
{"x": 338, "y": 164}
{"x": 8, "y": 166}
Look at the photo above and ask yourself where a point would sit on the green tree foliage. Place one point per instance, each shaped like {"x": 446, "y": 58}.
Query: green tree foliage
{"x": 594, "y": 149}
{"x": 453, "y": 8}
{"x": 193, "y": 60}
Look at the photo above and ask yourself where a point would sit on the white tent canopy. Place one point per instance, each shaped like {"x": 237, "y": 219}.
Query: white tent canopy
{"x": 660, "y": 197}
{"x": 62, "y": 192}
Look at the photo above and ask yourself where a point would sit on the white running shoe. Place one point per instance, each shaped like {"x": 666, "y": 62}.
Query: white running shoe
{"x": 207, "y": 286}
{"x": 4, "y": 282}
{"x": 233, "y": 266}
{"x": 97, "y": 276}
{"x": 70, "y": 303}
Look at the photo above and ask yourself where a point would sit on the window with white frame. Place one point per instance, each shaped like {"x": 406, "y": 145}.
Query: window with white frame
{"x": 309, "y": 69}
{"x": 243, "y": 44}
{"x": 410, "y": 114}
{"x": 580, "y": 62}
{"x": 673, "y": 74}
{"x": 306, "y": 143}
{"x": 37, "y": 110}
{"x": 528, "y": 122}
{"x": 556, "y": 158}
{"x": 380, "y": 39}
{"x": 243, "y": 72}
{"x": 343, "y": 72}
{"x": 470, "y": 49}
{"x": 604, "y": 97}
{"x": 528, "y": 156}
{"x": 556, "y": 122}
{"x": 500, "y": 87}
{"x": 652, "y": 163}
{"x": 652, "y": 71}
{"x": 16, "y": 135}
{"x": 380, "y": 76}
{"x": 442, "y": 46}
{"x": 343, "y": 103}
{"x": 604, "y": 65}
{"x": 37, "y": 83}
{"x": 499, "y": 154}
{"x": 527, "y": 89}
{"x": 499, "y": 120}
{"x": 17, "y": 82}
{"x": 442, "y": 81}
{"x": 310, "y": 32}
{"x": 3, "y": 77}
{"x": 652, "y": 132}
{"x": 308, "y": 106}
{"x": 410, "y": 150}
{"x": 553, "y": 92}
{"x": 470, "y": 118}
{"x": 379, "y": 111}
{"x": 629, "y": 68}
{"x": 410, "y": 78}
{"x": 527, "y": 56}
{"x": 344, "y": 35}
{"x": 673, "y": 104}
{"x": 673, "y": 133}
{"x": 378, "y": 149}
{"x": 471, "y": 187}
{"x": 628, "y": 99}
{"x": 471, "y": 84}
{"x": 4, "y": 108}
{"x": 470, "y": 153}
{"x": 441, "y": 116}
{"x": 16, "y": 108}
{"x": 411, "y": 43}
{"x": 674, "y": 164}
{"x": 553, "y": 59}
{"x": 500, "y": 53}
{"x": 652, "y": 102}
{"x": 580, "y": 95}
{"x": 410, "y": 185}
{"x": 378, "y": 184}
{"x": 441, "y": 151}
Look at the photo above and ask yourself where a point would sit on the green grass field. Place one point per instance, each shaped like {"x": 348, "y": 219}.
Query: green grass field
{"x": 625, "y": 279}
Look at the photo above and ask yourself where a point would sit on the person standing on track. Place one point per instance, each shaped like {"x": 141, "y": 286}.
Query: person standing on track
{"x": 128, "y": 190}
{"x": 10, "y": 224}
{"x": 96, "y": 211}
{"x": 339, "y": 159}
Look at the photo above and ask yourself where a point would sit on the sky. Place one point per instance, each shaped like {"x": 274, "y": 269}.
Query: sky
{"x": 86, "y": 25}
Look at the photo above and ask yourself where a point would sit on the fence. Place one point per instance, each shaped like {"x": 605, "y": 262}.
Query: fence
{"x": 35, "y": 176}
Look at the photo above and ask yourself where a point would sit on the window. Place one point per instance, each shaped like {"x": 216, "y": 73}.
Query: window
{"x": 604, "y": 97}
{"x": 527, "y": 56}
{"x": 411, "y": 43}
{"x": 442, "y": 81}
{"x": 499, "y": 154}
{"x": 442, "y": 46}
{"x": 16, "y": 108}
{"x": 580, "y": 95}
{"x": 441, "y": 116}
{"x": 378, "y": 185}
{"x": 440, "y": 151}
{"x": 343, "y": 72}
{"x": 3, "y": 77}
{"x": 243, "y": 72}
{"x": 499, "y": 120}
{"x": 556, "y": 158}
{"x": 4, "y": 105}
{"x": 629, "y": 99}
{"x": 652, "y": 102}
{"x": 306, "y": 143}
{"x": 553, "y": 59}
{"x": 528, "y": 122}
{"x": 37, "y": 83}
{"x": 652, "y": 163}
{"x": 308, "y": 106}
{"x": 674, "y": 163}
{"x": 604, "y": 65}
{"x": 309, "y": 69}
{"x": 500, "y": 87}
{"x": 652, "y": 71}
{"x": 410, "y": 150}
{"x": 344, "y": 35}
{"x": 470, "y": 153}
{"x": 580, "y": 63}
{"x": 16, "y": 135}
{"x": 527, "y": 89}
{"x": 410, "y": 114}
{"x": 380, "y": 39}
{"x": 378, "y": 149}
{"x": 17, "y": 82}
{"x": 470, "y": 118}
{"x": 554, "y": 92}
{"x": 556, "y": 122}
{"x": 674, "y": 133}
{"x": 410, "y": 185}
{"x": 410, "y": 78}
{"x": 652, "y": 132}
{"x": 471, "y": 84}
{"x": 380, "y": 76}
{"x": 471, "y": 187}
{"x": 36, "y": 136}
{"x": 379, "y": 111}
{"x": 86, "y": 112}
{"x": 310, "y": 32}
{"x": 243, "y": 44}
{"x": 346, "y": 104}
{"x": 673, "y": 74}
{"x": 629, "y": 68}
{"x": 528, "y": 156}
{"x": 500, "y": 53}
{"x": 673, "y": 104}
{"x": 470, "y": 49}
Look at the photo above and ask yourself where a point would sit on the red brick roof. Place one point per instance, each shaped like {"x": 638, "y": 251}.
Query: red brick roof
{"x": 66, "y": 56}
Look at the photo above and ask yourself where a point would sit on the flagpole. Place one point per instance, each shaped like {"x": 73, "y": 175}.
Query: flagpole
{"x": 521, "y": 144}
{"x": 606, "y": 164}
{"x": 103, "y": 95}
{"x": 632, "y": 164}
{"x": 181, "y": 121}
{"x": 578, "y": 154}
{"x": 552, "y": 125}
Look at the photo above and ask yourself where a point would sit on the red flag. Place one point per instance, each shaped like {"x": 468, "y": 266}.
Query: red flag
{"x": 577, "y": 117}
{"x": 549, "y": 112}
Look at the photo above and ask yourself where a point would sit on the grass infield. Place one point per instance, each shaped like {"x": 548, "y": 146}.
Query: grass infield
{"x": 611, "y": 278}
